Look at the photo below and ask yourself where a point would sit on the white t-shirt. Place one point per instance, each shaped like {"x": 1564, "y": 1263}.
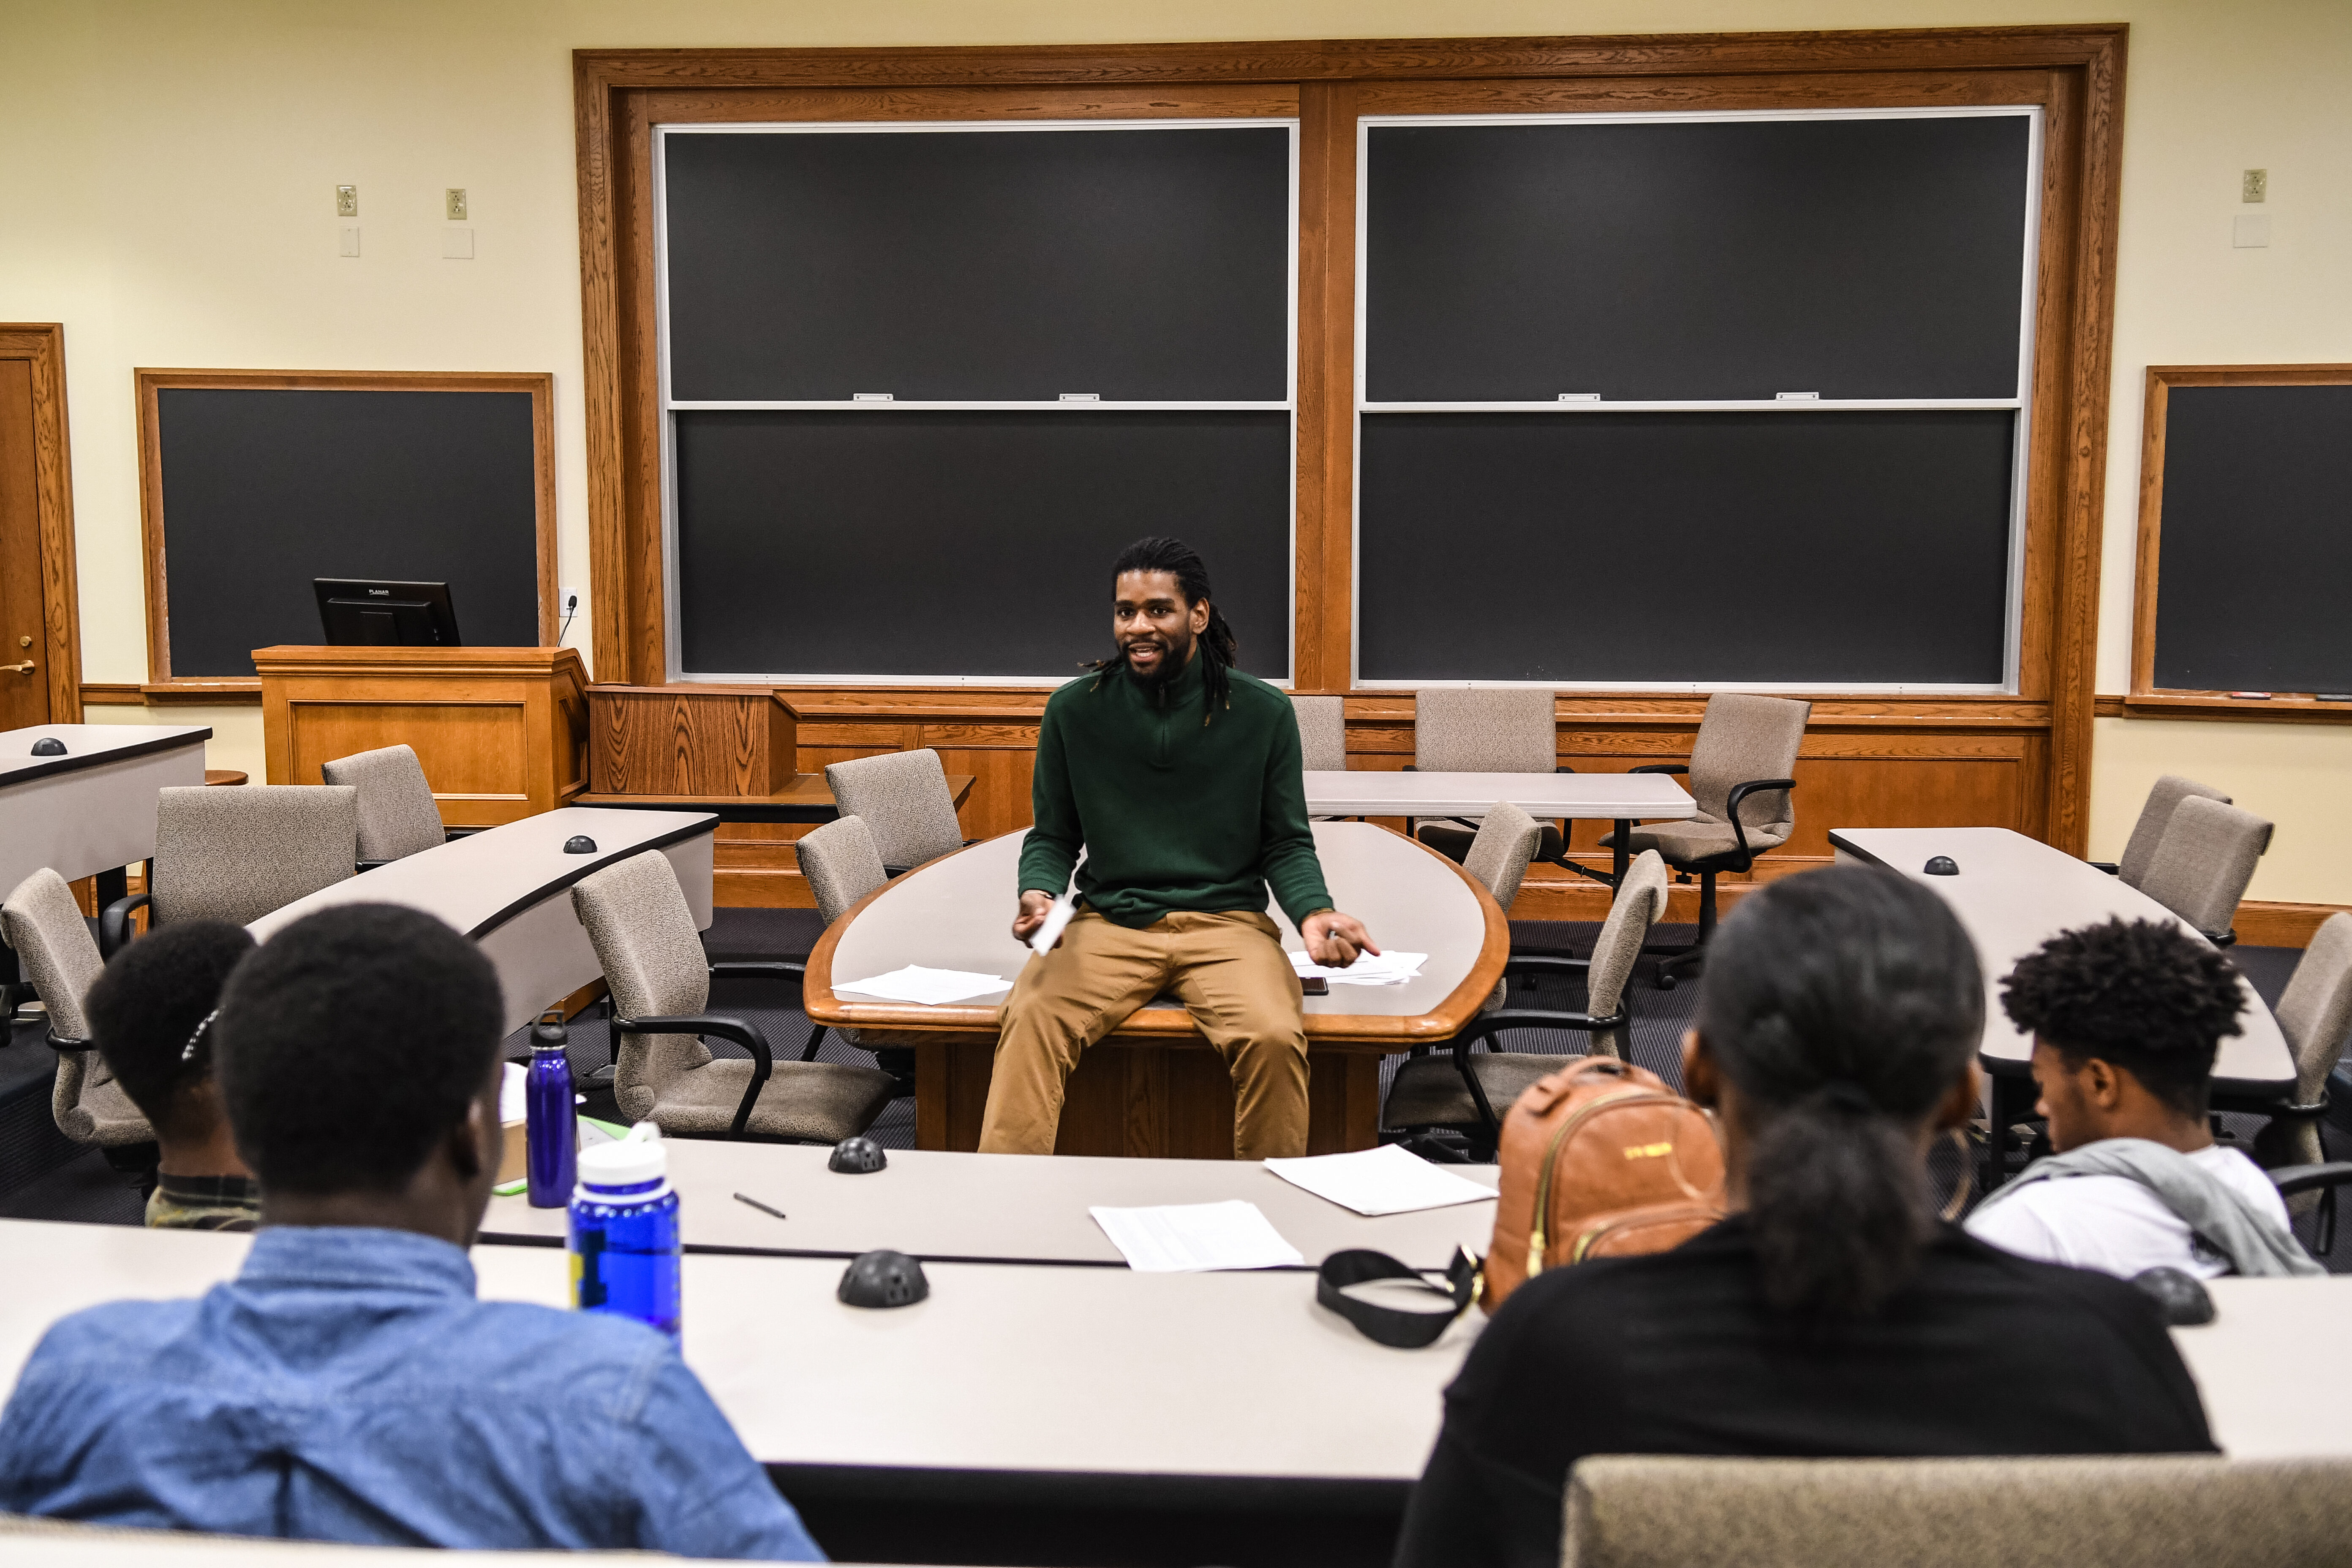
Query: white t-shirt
{"x": 2114, "y": 1223}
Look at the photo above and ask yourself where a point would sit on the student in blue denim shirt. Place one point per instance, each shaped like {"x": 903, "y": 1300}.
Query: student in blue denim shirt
{"x": 346, "y": 1385}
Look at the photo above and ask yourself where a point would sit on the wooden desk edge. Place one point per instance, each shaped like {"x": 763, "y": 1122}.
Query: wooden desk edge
{"x": 1383, "y": 1033}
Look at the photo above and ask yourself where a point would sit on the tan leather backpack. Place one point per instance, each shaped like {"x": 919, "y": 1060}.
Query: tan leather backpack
{"x": 1600, "y": 1158}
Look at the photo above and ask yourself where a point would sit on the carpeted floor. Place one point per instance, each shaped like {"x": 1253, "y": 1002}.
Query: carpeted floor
{"x": 42, "y": 1176}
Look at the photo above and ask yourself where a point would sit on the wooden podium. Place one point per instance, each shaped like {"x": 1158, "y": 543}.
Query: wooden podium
{"x": 502, "y": 731}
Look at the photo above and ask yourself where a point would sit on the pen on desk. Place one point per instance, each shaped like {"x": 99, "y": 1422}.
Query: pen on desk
{"x": 747, "y": 1198}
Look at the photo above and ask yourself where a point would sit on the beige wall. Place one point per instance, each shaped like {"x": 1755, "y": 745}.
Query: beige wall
{"x": 165, "y": 174}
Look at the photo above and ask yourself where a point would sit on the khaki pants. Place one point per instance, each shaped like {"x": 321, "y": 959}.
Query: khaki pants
{"x": 1231, "y": 973}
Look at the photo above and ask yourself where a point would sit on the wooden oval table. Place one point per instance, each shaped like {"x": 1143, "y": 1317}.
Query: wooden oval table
{"x": 1154, "y": 1088}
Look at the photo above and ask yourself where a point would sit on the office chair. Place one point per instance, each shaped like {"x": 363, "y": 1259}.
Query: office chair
{"x": 905, "y": 801}
{"x": 843, "y": 867}
{"x": 44, "y": 924}
{"x": 2315, "y": 1013}
{"x": 1501, "y": 729}
{"x": 2166, "y": 1510}
{"x": 2203, "y": 862}
{"x": 1467, "y": 1091}
{"x": 2147, "y": 832}
{"x": 1322, "y": 733}
{"x": 1740, "y": 776}
{"x": 397, "y": 815}
{"x": 651, "y": 956}
{"x": 235, "y": 855}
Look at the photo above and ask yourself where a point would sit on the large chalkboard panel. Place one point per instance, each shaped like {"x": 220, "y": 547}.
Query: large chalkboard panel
{"x": 2254, "y": 557}
{"x": 1143, "y": 264}
{"x": 1850, "y": 548}
{"x": 920, "y": 543}
{"x": 263, "y": 489}
{"x": 1695, "y": 260}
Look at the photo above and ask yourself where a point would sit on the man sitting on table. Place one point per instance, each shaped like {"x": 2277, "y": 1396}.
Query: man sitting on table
{"x": 346, "y": 1386}
{"x": 1180, "y": 777}
{"x": 2127, "y": 1019}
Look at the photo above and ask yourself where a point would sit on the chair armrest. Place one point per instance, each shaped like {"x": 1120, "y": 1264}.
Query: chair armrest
{"x": 358, "y": 865}
{"x": 2109, "y": 867}
{"x": 1486, "y": 1025}
{"x": 451, "y": 834}
{"x": 2291, "y": 1179}
{"x": 759, "y": 969}
{"x": 1659, "y": 768}
{"x": 1546, "y": 963}
{"x": 1563, "y": 768}
{"x": 58, "y": 1042}
{"x": 740, "y": 1031}
{"x": 1740, "y": 792}
{"x": 114, "y": 923}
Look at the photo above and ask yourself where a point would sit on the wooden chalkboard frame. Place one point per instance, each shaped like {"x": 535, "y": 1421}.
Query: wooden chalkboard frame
{"x": 161, "y": 684}
{"x": 2147, "y": 699}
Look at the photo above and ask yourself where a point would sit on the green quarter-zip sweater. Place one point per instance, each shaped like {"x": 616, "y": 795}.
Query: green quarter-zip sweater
{"x": 1174, "y": 814}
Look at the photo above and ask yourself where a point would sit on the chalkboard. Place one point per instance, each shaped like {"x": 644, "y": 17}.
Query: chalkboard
{"x": 1864, "y": 257}
{"x": 979, "y": 265}
{"x": 949, "y": 543}
{"x": 259, "y": 490}
{"x": 1856, "y": 548}
{"x": 2255, "y": 540}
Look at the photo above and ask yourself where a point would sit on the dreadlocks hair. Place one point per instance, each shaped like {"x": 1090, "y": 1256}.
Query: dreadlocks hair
{"x": 1218, "y": 644}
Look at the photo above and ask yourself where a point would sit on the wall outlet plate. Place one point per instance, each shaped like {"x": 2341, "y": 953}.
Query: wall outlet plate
{"x": 2255, "y": 187}
{"x": 453, "y": 203}
{"x": 348, "y": 240}
{"x": 457, "y": 244}
{"x": 2250, "y": 231}
{"x": 347, "y": 201}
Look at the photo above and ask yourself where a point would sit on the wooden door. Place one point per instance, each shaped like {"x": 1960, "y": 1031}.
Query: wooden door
{"x": 24, "y": 689}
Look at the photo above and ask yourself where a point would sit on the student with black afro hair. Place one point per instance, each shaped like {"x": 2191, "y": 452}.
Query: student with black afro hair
{"x": 151, "y": 1016}
{"x": 2127, "y": 1017}
{"x": 346, "y": 1385}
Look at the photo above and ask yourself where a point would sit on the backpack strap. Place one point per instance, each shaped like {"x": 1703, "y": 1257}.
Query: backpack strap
{"x": 1394, "y": 1326}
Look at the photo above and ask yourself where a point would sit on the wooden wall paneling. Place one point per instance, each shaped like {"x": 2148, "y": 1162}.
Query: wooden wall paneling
{"x": 1635, "y": 94}
{"x": 540, "y": 385}
{"x": 1324, "y": 619}
{"x": 691, "y": 740}
{"x": 57, "y": 648}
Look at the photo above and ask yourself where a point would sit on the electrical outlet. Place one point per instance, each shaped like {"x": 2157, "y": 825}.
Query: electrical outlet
{"x": 2255, "y": 187}
{"x": 453, "y": 203}
{"x": 347, "y": 201}
{"x": 568, "y": 602}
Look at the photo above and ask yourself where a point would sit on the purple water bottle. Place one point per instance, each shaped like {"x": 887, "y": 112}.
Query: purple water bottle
{"x": 550, "y": 1125}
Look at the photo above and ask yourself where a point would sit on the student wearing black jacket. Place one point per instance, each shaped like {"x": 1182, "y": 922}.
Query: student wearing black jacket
{"x": 1832, "y": 1314}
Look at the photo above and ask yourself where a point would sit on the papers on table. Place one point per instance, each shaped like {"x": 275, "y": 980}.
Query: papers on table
{"x": 1185, "y": 1238}
{"x": 512, "y": 1106}
{"x": 1390, "y": 1179}
{"x": 1369, "y": 969}
{"x": 1043, "y": 939}
{"x": 929, "y": 986}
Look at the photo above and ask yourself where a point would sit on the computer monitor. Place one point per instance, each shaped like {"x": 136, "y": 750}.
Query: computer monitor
{"x": 357, "y": 613}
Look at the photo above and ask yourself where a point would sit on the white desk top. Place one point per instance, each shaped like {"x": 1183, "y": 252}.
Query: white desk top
{"x": 1008, "y": 1207}
{"x": 92, "y": 809}
{"x": 2014, "y": 893}
{"x": 1003, "y": 1368}
{"x": 957, "y": 913}
{"x": 2268, "y": 1367}
{"x": 1545, "y": 797}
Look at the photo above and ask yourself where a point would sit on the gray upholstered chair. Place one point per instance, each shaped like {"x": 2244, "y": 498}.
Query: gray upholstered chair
{"x": 1502, "y": 848}
{"x": 42, "y": 921}
{"x": 2184, "y": 1511}
{"x": 2315, "y": 1013}
{"x": 904, "y": 798}
{"x": 1467, "y": 1091}
{"x": 841, "y": 866}
{"x": 1322, "y": 733}
{"x": 1497, "y": 729}
{"x": 396, "y": 813}
{"x": 646, "y": 941}
{"x": 1739, "y": 777}
{"x": 2149, "y": 831}
{"x": 2203, "y": 862}
{"x": 235, "y": 855}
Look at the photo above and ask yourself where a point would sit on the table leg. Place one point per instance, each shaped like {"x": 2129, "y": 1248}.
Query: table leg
{"x": 2012, "y": 1100}
{"x": 1621, "y": 857}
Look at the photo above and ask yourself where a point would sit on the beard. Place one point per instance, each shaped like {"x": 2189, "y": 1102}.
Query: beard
{"x": 1176, "y": 652}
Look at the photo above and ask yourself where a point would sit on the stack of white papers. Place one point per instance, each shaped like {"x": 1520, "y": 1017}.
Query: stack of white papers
{"x": 929, "y": 986}
{"x": 1187, "y": 1239}
{"x": 1369, "y": 969}
{"x": 1390, "y": 1179}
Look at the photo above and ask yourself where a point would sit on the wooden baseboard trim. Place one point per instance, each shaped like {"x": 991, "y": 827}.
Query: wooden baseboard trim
{"x": 113, "y": 694}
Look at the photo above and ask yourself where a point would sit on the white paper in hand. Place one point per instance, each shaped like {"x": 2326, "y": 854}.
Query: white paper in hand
{"x": 1188, "y": 1238}
{"x": 1390, "y": 1179}
{"x": 929, "y": 986}
{"x": 1057, "y": 919}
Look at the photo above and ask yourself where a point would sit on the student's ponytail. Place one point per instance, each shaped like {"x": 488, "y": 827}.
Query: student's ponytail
{"x": 1844, "y": 1005}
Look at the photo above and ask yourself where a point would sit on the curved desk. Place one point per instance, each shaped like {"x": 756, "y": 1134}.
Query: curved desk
{"x": 92, "y": 811}
{"x": 1158, "y": 1089}
{"x": 2014, "y": 893}
{"x": 507, "y": 888}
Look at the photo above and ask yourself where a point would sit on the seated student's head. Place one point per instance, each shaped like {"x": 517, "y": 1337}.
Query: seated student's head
{"x": 359, "y": 1062}
{"x": 2125, "y": 1018}
{"x": 1838, "y": 1026}
{"x": 151, "y": 1017}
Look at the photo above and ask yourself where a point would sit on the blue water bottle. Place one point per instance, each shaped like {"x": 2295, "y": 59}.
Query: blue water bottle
{"x": 622, "y": 1233}
{"x": 551, "y": 1120}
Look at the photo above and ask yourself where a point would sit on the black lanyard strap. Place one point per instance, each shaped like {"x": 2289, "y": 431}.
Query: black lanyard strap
{"x": 1394, "y": 1326}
